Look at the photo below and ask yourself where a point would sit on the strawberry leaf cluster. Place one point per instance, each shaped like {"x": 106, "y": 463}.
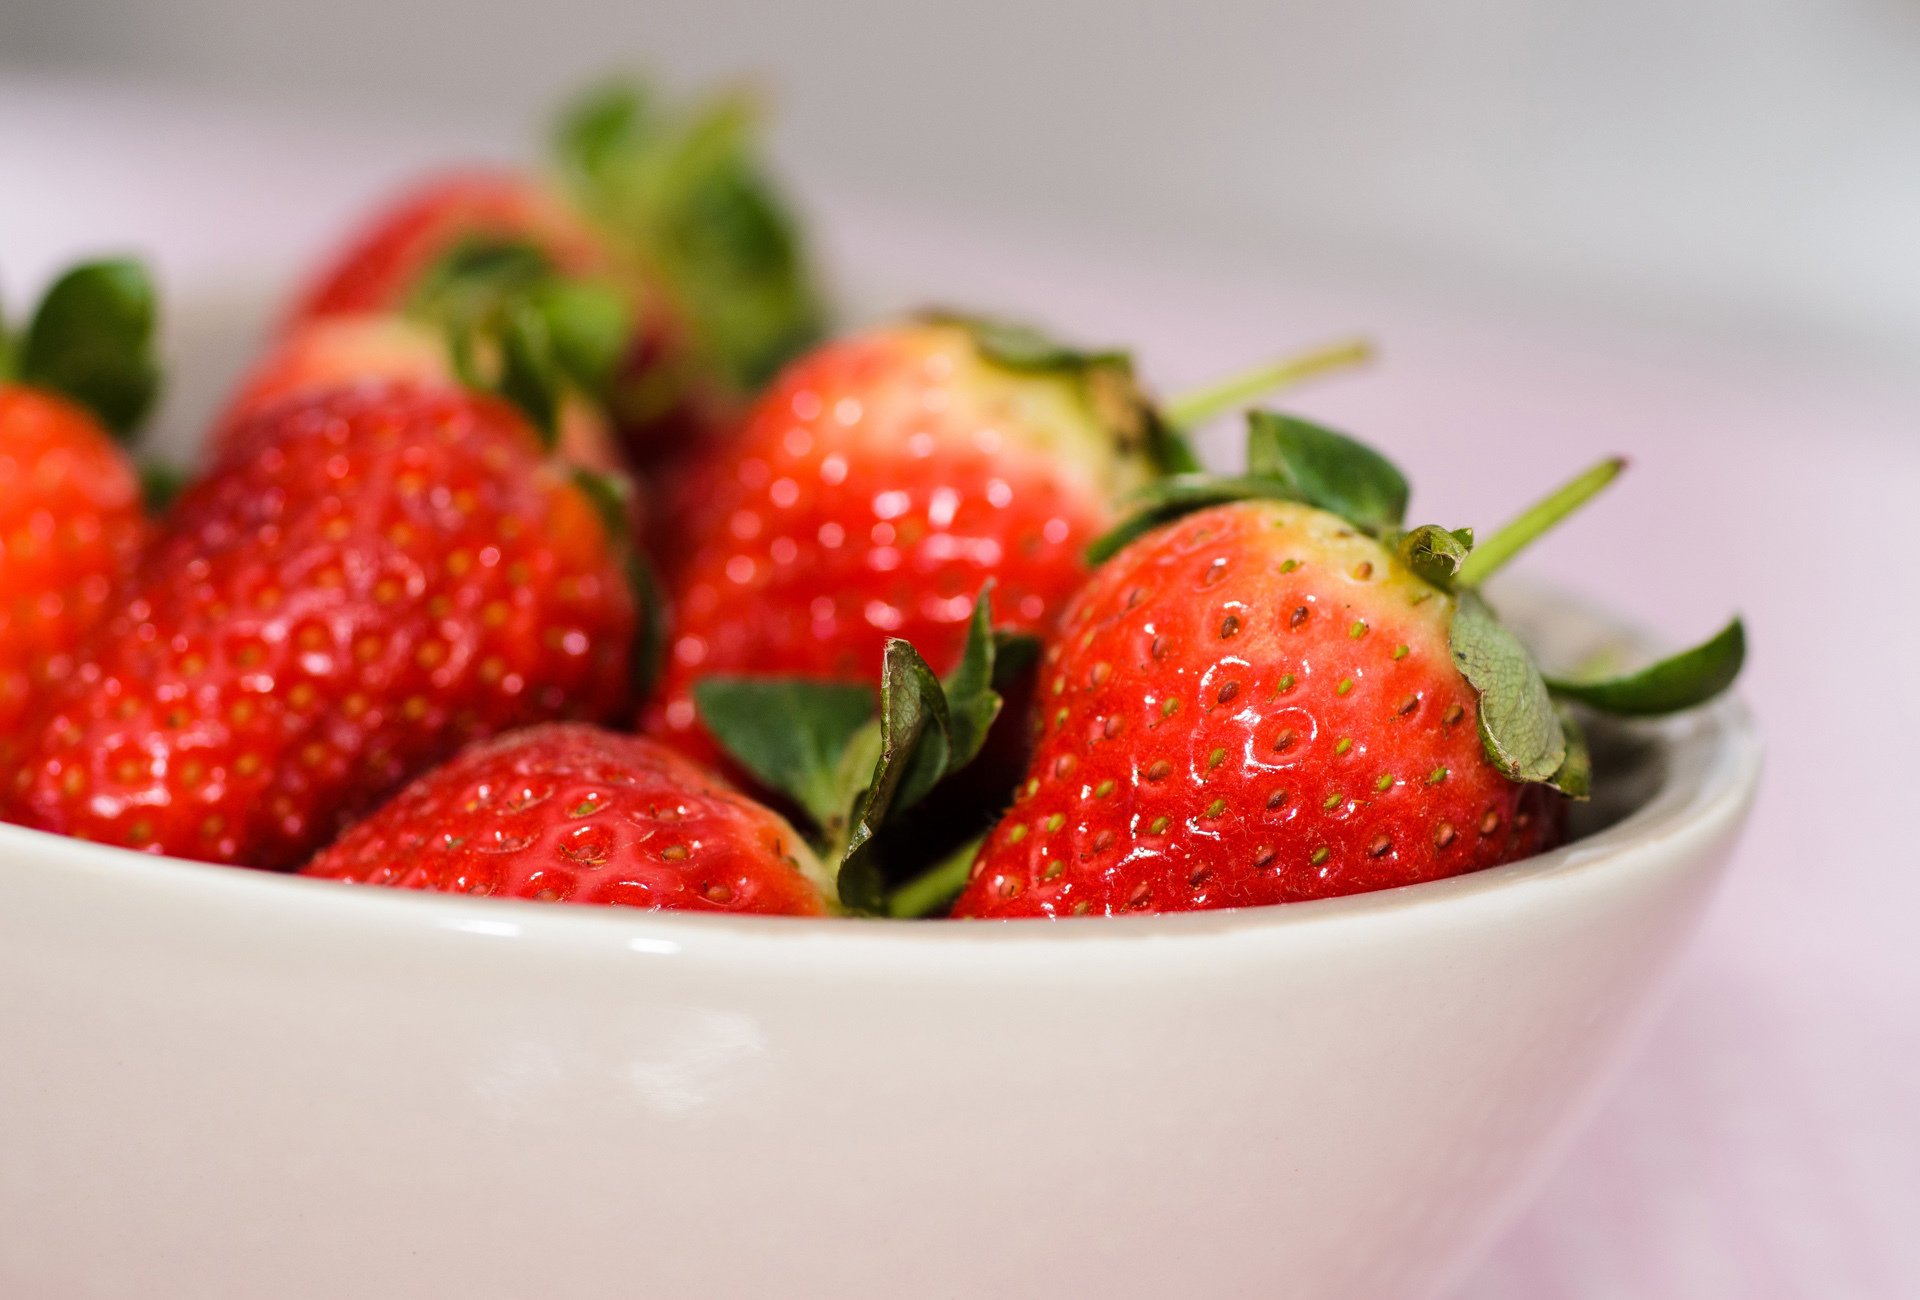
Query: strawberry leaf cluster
{"x": 1526, "y": 728}
{"x": 855, "y": 761}
{"x": 685, "y": 185}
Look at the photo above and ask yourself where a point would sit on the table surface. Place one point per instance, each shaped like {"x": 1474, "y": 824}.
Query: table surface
{"x": 1765, "y": 1143}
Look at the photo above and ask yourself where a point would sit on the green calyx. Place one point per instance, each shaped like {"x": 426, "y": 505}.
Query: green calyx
{"x": 1110, "y": 389}
{"x": 683, "y": 190}
{"x": 1104, "y": 379}
{"x": 1526, "y": 727}
{"x": 91, "y": 340}
{"x": 854, "y": 762}
{"x": 515, "y": 326}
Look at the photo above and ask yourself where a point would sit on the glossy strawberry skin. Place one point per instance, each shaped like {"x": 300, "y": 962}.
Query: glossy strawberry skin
{"x": 360, "y": 585}
{"x": 381, "y": 265}
{"x": 572, "y": 813}
{"x": 71, "y": 526}
{"x": 1253, "y": 705}
{"x": 870, "y": 494}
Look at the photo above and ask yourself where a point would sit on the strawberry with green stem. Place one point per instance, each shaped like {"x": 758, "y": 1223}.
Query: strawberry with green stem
{"x": 665, "y": 204}
{"x": 74, "y": 383}
{"x": 884, "y": 478}
{"x": 1271, "y": 691}
{"x": 364, "y": 582}
{"x": 495, "y": 313}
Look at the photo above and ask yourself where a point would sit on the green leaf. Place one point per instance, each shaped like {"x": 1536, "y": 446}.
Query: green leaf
{"x": 1167, "y": 499}
{"x": 1016, "y": 345}
{"x": 792, "y": 734}
{"x": 972, "y": 703}
{"x": 683, "y": 189}
{"x": 1518, "y": 725}
{"x": 916, "y": 734}
{"x": 1436, "y": 553}
{"x": 1327, "y": 469}
{"x": 92, "y": 339}
{"x": 529, "y": 376}
{"x": 854, "y": 772}
{"x": 1574, "y": 777}
{"x": 475, "y": 277}
{"x": 600, "y": 127}
{"x": 916, "y": 741}
{"x": 1677, "y": 682}
{"x": 516, "y": 327}
{"x": 589, "y": 327}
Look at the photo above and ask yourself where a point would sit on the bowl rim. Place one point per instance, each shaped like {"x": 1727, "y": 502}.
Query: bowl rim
{"x": 1712, "y": 761}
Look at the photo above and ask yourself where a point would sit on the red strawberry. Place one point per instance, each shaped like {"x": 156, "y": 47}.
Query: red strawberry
{"x": 666, "y": 206}
{"x": 1267, "y": 701}
{"x": 880, "y": 482}
{"x": 70, "y": 525}
{"x": 342, "y": 351}
{"x": 571, "y": 813}
{"x": 873, "y": 490}
{"x": 360, "y": 585}
{"x": 70, "y": 514}
{"x": 378, "y": 269}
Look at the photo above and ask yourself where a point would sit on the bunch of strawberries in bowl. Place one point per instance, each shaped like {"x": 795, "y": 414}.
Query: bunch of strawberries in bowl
{"x": 549, "y": 550}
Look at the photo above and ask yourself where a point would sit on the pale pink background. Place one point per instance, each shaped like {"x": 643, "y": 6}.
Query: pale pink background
{"x": 1766, "y": 1143}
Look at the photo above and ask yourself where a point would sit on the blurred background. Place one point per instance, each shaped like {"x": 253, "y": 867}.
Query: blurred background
{"x": 1738, "y": 165}
{"x": 1685, "y": 231}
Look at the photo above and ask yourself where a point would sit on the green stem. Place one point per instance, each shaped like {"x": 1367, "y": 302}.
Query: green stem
{"x": 1185, "y": 410}
{"x": 927, "y": 894}
{"x": 1490, "y": 556}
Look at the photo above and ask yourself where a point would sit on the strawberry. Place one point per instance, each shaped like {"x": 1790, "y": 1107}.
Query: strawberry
{"x": 665, "y": 206}
{"x": 421, "y": 348}
{"x": 1283, "y": 696}
{"x": 378, "y": 269}
{"x": 567, "y": 812}
{"x": 879, "y": 482}
{"x": 70, "y": 513}
{"x": 360, "y": 585}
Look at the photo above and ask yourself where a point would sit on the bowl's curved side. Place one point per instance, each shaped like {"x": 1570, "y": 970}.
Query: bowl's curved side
{"x": 216, "y": 1084}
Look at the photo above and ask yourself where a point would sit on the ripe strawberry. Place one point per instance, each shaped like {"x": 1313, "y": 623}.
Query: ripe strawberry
{"x": 380, "y": 266}
{"x": 872, "y": 491}
{"x": 665, "y": 206}
{"x": 341, "y": 351}
{"x": 1268, "y": 701}
{"x": 878, "y": 484}
{"x": 569, "y": 813}
{"x": 70, "y": 514}
{"x": 360, "y": 585}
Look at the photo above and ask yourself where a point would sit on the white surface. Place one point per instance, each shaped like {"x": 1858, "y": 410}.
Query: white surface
{"x": 225, "y": 1084}
{"x": 1763, "y": 1147}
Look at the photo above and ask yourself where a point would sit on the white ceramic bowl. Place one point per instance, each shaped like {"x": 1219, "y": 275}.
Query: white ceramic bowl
{"x": 217, "y": 1083}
